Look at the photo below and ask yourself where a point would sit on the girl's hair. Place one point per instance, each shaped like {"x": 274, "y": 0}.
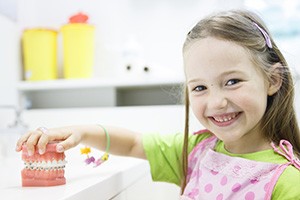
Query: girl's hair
{"x": 240, "y": 26}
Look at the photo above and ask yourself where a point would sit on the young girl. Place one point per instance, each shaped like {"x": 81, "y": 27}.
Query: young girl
{"x": 240, "y": 88}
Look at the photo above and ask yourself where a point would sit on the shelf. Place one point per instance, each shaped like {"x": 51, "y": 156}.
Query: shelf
{"x": 64, "y": 84}
{"x": 102, "y": 92}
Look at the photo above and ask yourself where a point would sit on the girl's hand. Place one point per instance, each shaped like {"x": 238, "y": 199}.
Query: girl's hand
{"x": 68, "y": 137}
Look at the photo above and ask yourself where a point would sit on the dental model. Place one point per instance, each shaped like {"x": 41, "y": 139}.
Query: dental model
{"x": 43, "y": 170}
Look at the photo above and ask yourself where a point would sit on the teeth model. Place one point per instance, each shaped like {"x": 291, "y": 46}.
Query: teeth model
{"x": 43, "y": 170}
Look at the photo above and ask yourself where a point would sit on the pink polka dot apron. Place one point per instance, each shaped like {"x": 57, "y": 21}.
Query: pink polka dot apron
{"x": 216, "y": 176}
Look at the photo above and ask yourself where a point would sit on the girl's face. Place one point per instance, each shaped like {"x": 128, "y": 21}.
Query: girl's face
{"x": 227, "y": 92}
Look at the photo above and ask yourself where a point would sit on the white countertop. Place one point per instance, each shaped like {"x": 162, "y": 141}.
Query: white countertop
{"x": 86, "y": 182}
{"x": 83, "y": 182}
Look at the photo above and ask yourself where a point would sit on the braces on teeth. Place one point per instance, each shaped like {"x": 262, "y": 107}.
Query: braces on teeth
{"x": 54, "y": 165}
{"x": 43, "y": 170}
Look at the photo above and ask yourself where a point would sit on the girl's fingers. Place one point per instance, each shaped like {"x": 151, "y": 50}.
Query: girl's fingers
{"x": 38, "y": 137}
{"x": 42, "y": 136}
{"x": 42, "y": 142}
{"x": 69, "y": 143}
{"x": 22, "y": 140}
{"x": 32, "y": 141}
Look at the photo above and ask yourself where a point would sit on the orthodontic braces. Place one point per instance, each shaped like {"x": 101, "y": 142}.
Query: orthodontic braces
{"x": 58, "y": 165}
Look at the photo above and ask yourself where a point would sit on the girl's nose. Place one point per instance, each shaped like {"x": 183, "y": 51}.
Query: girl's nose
{"x": 217, "y": 100}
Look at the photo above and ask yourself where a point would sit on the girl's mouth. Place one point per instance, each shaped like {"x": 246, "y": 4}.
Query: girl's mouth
{"x": 225, "y": 119}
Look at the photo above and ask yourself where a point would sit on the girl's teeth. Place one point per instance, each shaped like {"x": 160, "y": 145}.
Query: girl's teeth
{"x": 225, "y": 119}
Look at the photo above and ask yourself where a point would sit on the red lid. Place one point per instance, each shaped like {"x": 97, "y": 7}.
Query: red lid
{"x": 78, "y": 18}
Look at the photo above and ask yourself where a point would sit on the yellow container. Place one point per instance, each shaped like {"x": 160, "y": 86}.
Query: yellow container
{"x": 39, "y": 54}
{"x": 78, "y": 50}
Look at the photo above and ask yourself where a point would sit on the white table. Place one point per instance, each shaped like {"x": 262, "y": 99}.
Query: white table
{"x": 114, "y": 178}
{"x": 83, "y": 182}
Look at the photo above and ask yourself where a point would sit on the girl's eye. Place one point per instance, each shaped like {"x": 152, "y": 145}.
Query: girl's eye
{"x": 199, "y": 88}
{"x": 232, "y": 82}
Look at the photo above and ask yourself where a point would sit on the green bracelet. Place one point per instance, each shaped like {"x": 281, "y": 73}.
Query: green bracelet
{"x": 107, "y": 139}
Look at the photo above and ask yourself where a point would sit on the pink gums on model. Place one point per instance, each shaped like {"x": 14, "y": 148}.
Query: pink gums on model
{"x": 43, "y": 170}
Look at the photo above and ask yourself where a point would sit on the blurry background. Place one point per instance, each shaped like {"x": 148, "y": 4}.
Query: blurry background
{"x": 136, "y": 44}
{"x": 135, "y": 61}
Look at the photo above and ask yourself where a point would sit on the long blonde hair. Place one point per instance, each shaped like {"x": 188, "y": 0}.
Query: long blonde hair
{"x": 279, "y": 121}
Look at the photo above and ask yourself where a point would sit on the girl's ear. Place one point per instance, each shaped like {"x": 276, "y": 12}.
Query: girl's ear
{"x": 276, "y": 79}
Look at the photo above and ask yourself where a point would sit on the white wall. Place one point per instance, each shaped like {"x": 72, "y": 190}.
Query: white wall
{"x": 159, "y": 27}
{"x": 9, "y": 61}
{"x": 9, "y": 9}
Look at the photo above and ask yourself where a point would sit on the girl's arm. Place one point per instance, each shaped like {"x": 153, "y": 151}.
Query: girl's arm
{"x": 122, "y": 141}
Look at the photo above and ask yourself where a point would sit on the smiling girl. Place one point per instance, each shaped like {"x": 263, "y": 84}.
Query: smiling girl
{"x": 240, "y": 88}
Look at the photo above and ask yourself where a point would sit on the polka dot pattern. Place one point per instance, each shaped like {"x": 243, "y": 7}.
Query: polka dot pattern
{"x": 254, "y": 181}
{"x": 208, "y": 188}
{"x": 219, "y": 177}
{"x": 236, "y": 187}
{"x": 223, "y": 180}
{"x": 213, "y": 172}
{"x": 193, "y": 193}
{"x": 250, "y": 196}
{"x": 220, "y": 197}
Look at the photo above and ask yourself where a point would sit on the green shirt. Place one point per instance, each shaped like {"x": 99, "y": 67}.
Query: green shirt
{"x": 164, "y": 154}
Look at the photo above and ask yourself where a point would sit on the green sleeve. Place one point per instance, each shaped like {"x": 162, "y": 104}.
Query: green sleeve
{"x": 288, "y": 185}
{"x": 164, "y": 154}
